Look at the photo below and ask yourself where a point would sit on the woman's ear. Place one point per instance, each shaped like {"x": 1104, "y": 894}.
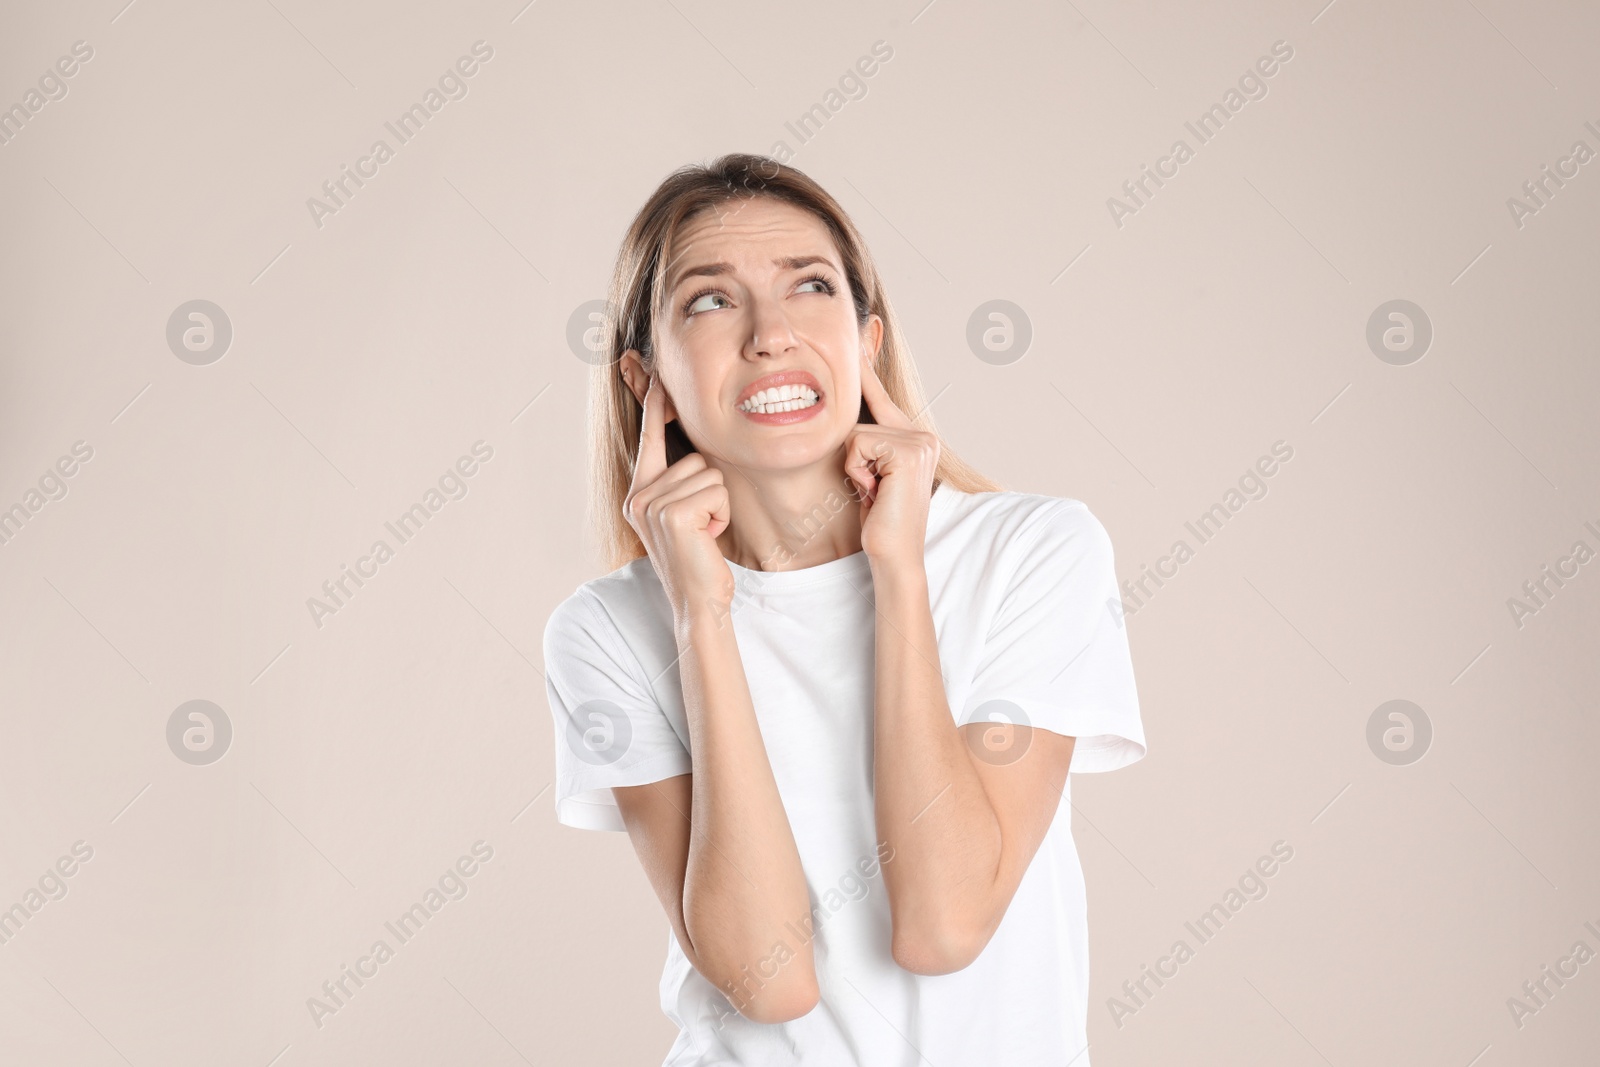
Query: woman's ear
{"x": 634, "y": 375}
{"x": 872, "y": 337}
{"x": 871, "y": 344}
{"x": 631, "y": 368}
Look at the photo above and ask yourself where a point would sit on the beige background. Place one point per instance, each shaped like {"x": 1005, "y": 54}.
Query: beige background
{"x": 1168, "y": 354}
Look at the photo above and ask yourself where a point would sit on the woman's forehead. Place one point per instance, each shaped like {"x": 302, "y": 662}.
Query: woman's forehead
{"x": 748, "y": 226}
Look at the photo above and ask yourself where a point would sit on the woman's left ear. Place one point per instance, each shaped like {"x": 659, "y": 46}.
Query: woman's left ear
{"x": 871, "y": 342}
{"x": 872, "y": 338}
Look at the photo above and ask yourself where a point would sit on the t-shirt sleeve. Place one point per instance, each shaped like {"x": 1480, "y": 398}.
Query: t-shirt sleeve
{"x": 609, "y": 728}
{"x": 1057, "y": 650}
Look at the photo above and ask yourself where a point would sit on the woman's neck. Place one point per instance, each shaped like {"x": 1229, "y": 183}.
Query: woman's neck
{"x": 787, "y": 520}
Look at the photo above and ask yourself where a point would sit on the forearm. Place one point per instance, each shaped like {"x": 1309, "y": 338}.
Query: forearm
{"x": 744, "y": 888}
{"x": 931, "y": 805}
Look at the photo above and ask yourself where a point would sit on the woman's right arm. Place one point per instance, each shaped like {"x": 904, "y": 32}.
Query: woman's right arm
{"x": 716, "y": 844}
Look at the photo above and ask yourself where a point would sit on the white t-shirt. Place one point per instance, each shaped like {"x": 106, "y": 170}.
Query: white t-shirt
{"x": 1028, "y": 616}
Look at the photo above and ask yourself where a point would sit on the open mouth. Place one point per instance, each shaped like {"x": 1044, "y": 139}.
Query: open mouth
{"x": 782, "y": 398}
{"x": 779, "y": 399}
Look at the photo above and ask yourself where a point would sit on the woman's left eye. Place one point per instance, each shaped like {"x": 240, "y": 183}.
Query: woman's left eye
{"x": 816, "y": 279}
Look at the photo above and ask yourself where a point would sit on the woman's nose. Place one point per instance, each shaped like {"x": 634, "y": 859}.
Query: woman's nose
{"x": 771, "y": 333}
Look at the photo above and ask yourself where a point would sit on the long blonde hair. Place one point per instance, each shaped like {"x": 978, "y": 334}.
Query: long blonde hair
{"x": 637, "y": 294}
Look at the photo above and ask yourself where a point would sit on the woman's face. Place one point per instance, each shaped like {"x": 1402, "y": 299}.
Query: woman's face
{"x": 758, "y": 346}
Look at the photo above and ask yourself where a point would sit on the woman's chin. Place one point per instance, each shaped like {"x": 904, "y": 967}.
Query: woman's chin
{"x": 791, "y": 455}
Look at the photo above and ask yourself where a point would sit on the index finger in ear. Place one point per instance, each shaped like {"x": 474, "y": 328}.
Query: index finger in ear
{"x": 885, "y": 410}
{"x": 651, "y": 461}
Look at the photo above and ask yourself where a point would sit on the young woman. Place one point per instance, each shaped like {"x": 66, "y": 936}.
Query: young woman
{"x": 835, "y": 689}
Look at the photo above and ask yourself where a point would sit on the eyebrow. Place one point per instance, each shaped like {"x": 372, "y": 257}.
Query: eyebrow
{"x": 711, "y": 270}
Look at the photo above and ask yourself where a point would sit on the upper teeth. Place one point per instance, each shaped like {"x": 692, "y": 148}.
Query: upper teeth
{"x": 780, "y": 398}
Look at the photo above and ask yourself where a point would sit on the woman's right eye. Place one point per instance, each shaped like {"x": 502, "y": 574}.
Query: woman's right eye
{"x": 697, "y": 302}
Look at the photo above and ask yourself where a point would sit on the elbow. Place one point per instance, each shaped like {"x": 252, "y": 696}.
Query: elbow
{"x": 781, "y": 1005}
{"x": 787, "y": 992}
{"x": 942, "y": 949}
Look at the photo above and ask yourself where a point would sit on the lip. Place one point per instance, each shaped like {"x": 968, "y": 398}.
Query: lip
{"x": 771, "y": 381}
{"x": 783, "y": 377}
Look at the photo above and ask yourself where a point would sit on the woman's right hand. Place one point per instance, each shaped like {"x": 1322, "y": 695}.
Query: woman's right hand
{"x": 678, "y": 512}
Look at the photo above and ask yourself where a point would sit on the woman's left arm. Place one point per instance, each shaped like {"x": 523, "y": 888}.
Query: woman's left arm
{"x": 965, "y": 809}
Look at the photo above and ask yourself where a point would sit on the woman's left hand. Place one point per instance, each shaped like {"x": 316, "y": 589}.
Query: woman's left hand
{"x": 892, "y": 465}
